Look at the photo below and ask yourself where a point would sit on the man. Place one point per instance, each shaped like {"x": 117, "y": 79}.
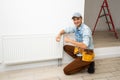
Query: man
{"x": 83, "y": 40}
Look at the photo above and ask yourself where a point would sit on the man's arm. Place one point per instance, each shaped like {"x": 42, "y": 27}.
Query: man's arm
{"x": 58, "y": 38}
{"x": 78, "y": 44}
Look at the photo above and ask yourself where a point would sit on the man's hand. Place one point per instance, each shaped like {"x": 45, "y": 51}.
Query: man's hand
{"x": 58, "y": 38}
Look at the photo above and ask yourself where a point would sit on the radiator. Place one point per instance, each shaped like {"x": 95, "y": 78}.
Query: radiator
{"x": 30, "y": 48}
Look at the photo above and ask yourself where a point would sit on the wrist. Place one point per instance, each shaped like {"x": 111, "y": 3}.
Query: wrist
{"x": 71, "y": 41}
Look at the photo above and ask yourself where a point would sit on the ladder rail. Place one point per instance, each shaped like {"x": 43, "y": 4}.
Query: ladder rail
{"x": 110, "y": 16}
{"x": 111, "y": 20}
{"x": 97, "y": 21}
{"x": 106, "y": 18}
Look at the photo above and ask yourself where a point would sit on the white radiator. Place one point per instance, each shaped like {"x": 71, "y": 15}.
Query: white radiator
{"x": 30, "y": 48}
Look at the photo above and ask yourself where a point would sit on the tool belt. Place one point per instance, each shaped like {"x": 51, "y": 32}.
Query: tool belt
{"x": 87, "y": 54}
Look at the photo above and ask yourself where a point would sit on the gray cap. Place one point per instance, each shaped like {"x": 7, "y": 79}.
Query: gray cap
{"x": 76, "y": 15}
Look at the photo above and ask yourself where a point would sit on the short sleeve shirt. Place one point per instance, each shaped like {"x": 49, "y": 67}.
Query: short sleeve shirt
{"x": 82, "y": 34}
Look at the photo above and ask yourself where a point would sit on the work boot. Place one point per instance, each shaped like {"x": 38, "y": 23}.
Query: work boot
{"x": 91, "y": 68}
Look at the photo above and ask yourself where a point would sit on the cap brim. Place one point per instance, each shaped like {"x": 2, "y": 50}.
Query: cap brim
{"x": 76, "y": 17}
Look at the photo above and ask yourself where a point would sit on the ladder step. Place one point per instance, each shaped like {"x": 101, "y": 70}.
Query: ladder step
{"x": 107, "y": 14}
{"x": 104, "y": 6}
{"x": 109, "y": 22}
{"x": 104, "y": 15}
{"x": 111, "y": 30}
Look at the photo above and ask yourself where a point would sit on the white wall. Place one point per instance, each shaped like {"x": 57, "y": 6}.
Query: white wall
{"x": 92, "y": 8}
{"x": 37, "y": 16}
{"x": 1, "y": 51}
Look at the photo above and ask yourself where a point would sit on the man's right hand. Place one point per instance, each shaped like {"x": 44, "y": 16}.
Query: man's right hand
{"x": 58, "y": 38}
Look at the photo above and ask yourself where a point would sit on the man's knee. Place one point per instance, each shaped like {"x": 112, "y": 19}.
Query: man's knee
{"x": 65, "y": 47}
{"x": 66, "y": 71}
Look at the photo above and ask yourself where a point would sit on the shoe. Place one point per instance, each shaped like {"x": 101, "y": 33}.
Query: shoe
{"x": 91, "y": 68}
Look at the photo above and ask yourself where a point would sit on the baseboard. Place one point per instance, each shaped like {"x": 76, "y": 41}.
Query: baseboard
{"x": 4, "y": 67}
{"x": 107, "y": 52}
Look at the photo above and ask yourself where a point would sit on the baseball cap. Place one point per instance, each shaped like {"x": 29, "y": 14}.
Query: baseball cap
{"x": 77, "y": 14}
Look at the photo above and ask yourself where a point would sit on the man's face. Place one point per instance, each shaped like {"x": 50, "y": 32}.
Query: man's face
{"x": 77, "y": 21}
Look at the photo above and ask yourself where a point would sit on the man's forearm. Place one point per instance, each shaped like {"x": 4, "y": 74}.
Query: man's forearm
{"x": 61, "y": 32}
{"x": 78, "y": 44}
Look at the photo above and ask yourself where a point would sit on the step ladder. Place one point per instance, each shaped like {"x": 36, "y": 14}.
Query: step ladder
{"x": 108, "y": 18}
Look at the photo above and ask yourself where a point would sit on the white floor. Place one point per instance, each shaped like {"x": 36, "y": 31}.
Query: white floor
{"x": 106, "y": 69}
